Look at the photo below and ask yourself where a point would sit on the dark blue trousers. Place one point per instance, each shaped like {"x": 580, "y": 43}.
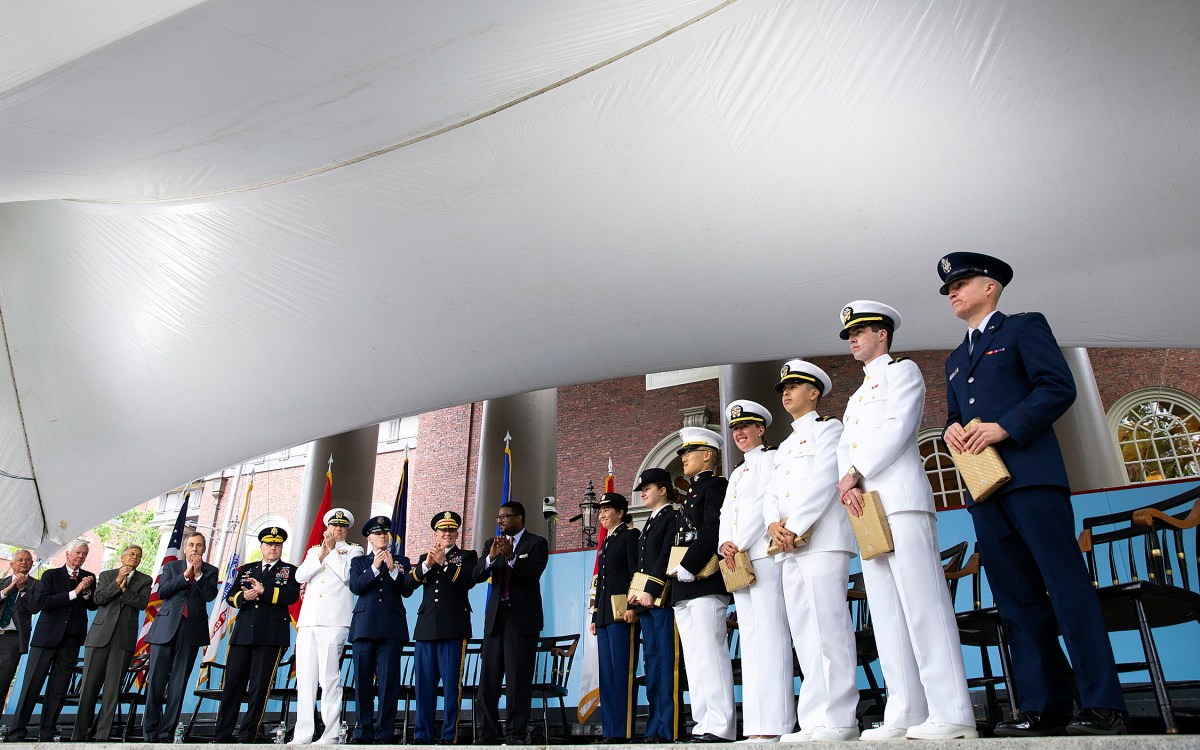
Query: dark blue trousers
{"x": 438, "y": 661}
{"x": 1028, "y": 546}
{"x": 618, "y": 650}
{"x": 376, "y": 674}
{"x": 661, "y": 656}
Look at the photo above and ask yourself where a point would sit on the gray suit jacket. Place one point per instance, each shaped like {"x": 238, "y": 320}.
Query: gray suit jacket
{"x": 24, "y": 609}
{"x": 118, "y": 612}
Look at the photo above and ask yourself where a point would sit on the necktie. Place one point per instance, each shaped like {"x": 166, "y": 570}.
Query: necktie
{"x": 6, "y": 614}
{"x": 189, "y": 593}
{"x": 976, "y": 334}
{"x": 504, "y": 576}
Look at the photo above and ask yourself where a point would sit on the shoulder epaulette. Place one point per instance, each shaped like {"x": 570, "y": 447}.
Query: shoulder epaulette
{"x": 827, "y": 419}
{"x": 739, "y": 463}
{"x": 770, "y": 447}
{"x": 1017, "y": 315}
{"x": 898, "y": 359}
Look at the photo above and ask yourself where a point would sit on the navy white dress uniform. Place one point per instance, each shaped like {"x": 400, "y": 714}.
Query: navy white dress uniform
{"x": 321, "y": 631}
{"x": 443, "y": 627}
{"x": 262, "y": 631}
{"x": 1016, "y": 375}
{"x": 803, "y": 490}
{"x": 767, "y": 680}
{"x": 378, "y": 630}
{"x": 660, "y": 639}
{"x": 915, "y": 630}
{"x": 701, "y": 604}
{"x": 616, "y": 640}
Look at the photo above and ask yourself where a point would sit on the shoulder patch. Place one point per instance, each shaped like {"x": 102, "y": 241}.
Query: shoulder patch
{"x": 898, "y": 359}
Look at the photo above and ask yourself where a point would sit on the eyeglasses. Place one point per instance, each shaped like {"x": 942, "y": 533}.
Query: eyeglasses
{"x": 502, "y": 516}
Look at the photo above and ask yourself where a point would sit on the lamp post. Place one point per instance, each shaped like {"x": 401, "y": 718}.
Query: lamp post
{"x": 589, "y": 508}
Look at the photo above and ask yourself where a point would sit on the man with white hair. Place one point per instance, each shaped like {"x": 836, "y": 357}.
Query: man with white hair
{"x": 64, "y": 598}
{"x": 322, "y": 628}
{"x": 18, "y": 594}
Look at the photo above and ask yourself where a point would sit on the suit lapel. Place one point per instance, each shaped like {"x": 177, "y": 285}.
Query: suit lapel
{"x": 985, "y": 341}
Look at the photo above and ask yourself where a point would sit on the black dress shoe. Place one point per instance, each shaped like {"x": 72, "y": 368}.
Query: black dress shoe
{"x": 1103, "y": 721}
{"x": 655, "y": 739}
{"x": 708, "y": 738}
{"x": 361, "y": 741}
{"x": 1034, "y": 724}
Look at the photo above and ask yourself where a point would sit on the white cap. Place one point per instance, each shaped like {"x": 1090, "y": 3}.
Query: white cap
{"x": 800, "y": 371}
{"x": 863, "y": 312}
{"x": 339, "y": 517}
{"x": 698, "y": 437}
{"x": 747, "y": 412}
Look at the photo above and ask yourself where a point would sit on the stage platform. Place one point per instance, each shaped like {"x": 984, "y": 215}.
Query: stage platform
{"x": 1129, "y": 742}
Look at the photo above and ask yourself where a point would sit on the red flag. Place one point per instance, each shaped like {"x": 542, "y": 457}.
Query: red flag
{"x": 317, "y": 535}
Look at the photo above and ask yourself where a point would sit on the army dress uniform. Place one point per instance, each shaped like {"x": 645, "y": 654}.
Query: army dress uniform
{"x": 321, "y": 631}
{"x": 660, "y": 639}
{"x": 803, "y": 490}
{"x": 702, "y": 604}
{"x": 767, "y": 707}
{"x": 262, "y": 631}
{"x": 443, "y": 627}
{"x": 915, "y": 630}
{"x": 616, "y": 640}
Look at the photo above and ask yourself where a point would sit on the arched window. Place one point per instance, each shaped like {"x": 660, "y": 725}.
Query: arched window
{"x": 1158, "y": 433}
{"x": 947, "y": 484}
{"x": 253, "y": 550}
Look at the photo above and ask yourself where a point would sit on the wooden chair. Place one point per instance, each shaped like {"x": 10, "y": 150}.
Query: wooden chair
{"x": 552, "y": 669}
{"x": 472, "y": 663}
{"x": 980, "y": 627}
{"x": 1145, "y": 579}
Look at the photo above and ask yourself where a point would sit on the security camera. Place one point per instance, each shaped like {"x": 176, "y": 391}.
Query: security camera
{"x": 549, "y": 504}
{"x": 550, "y": 500}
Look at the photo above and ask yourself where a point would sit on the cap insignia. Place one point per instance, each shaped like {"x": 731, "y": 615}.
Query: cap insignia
{"x": 945, "y": 265}
{"x": 735, "y": 411}
{"x": 784, "y": 372}
{"x": 847, "y": 313}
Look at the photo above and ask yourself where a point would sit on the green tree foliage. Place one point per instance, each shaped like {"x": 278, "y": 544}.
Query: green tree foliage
{"x": 131, "y": 527}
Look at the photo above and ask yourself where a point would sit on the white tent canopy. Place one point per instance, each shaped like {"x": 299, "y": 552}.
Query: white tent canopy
{"x": 231, "y": 227}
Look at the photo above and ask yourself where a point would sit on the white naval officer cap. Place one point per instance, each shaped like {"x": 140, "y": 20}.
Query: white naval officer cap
{"x": 338, "y": 517}
{"x": 698, "y": 437}
{"x": 801, "y": 371}
{"x": 742, "y": 412}
{"x": 863, "y": 312}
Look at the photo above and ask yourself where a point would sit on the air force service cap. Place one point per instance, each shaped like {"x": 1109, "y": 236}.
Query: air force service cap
{"x": 865, "y": 312}
{"x": 742, "y": 412}
{"x": 800, "y": 371}
{"x": 955, "y": 266}
{"x": 272, "y": 535}
{"x": 339, "y": 517}
{"x": 447, "y": 520}
{"x": 695, "y": 438}
{"x": 377, "y": 525}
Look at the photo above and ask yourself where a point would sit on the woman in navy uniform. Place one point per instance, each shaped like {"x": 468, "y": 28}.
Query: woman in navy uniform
{"x": 1010, "y": 373}
{"x": 443, "y": 625}
{"x": 378, "y": 630}
{"x": 261, "y": 633}
{"x": 660, "y": 640}
{"x": 616, "y": 639}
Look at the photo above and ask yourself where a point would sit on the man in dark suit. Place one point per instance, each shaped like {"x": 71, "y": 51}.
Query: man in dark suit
{"x": 514, "y": 560}
{"x": 121, "y": 596}
{"x": 64, "y": 598}
{"x": 18, "y": 603}
{"x": 261, "y": 633}
{"x": 445, "y": 574}
{"x": 178, "y": 632}
{"x": 378, "y": 630}
{"x": 1010, "y": 373}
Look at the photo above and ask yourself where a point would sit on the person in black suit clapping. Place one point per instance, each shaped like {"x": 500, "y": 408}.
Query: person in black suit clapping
{"x": 18, "y": 604}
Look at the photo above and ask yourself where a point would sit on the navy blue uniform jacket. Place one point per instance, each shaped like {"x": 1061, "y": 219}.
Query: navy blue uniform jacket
{"x": 616, "y": 563}
{"x": 701, "y": 512}
{"x": 1018, "y": 378}
{"x": 60, "y": 615}
{"x": 445, "y": 606}
{"x": 379, "y": 612}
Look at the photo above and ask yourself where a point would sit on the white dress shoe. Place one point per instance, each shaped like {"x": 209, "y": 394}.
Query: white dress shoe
{"x": 834, "y": 734}
{"x": 804, "y": 735}
{"x": 940, "y": 730}
{"x": 884, "y": 733}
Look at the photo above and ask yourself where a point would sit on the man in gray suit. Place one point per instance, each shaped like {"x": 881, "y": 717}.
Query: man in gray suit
{"x": 18, "y": 602}
{"x": 121, "y": 596}
{"x": 186, "y": 587}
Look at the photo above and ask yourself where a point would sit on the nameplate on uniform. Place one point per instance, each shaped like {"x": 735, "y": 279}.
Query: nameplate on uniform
{"x": 871, "y": 529}
{"x": 741, "y": 575}
{"x": 984, "y": 472}
{"x": 677, "y": 553}
{"x": 798, "y": 542}
{"x": 620, "y": 603}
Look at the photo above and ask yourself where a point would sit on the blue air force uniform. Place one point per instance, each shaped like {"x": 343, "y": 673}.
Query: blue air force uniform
{"x": 1015, "y": 375}
{"x": 616, "y": 640}
{"x": 443, "y": 627}
{"x": 378, "y": 630}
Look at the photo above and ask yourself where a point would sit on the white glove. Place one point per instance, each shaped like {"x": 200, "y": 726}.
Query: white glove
{"x": 682, "y": 575}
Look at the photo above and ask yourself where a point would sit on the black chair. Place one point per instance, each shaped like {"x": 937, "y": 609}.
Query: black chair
{"x": 980, "y": 627}
{"x": 472, "y": 663}
{"x": 70, "y": 698}
{"x": 286, "y": 693}
{"x": 132, "y": 694}
{"x": 407, "y": 696}
{"x": 212, "y": 676}
{"x": 552, "y": 669}
{"x": 1146, "y": 581}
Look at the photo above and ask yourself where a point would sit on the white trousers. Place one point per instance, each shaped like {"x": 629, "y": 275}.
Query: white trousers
{"x": 814, "y": 586}
{"x": 318, "y": 652}
{"x": 767, "y": 677}
{"x": 702, "y": 634}
{"x": 915, "y": 631}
